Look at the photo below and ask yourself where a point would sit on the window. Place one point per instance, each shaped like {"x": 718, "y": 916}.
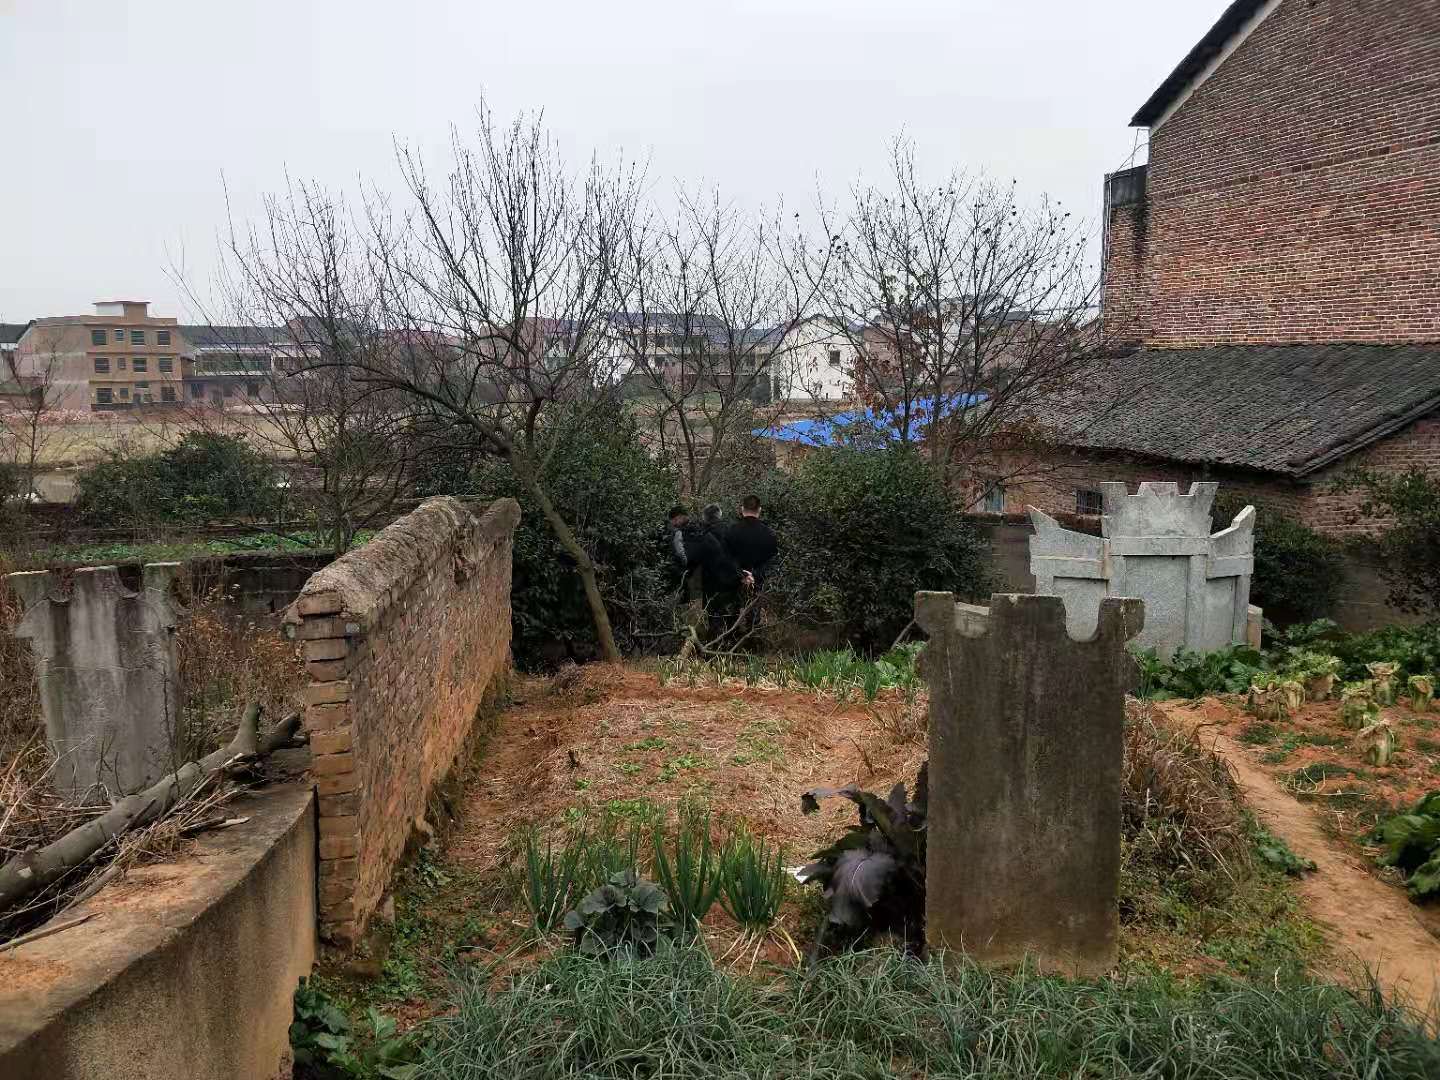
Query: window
{"x": 99, "y": 337}
{"x": 834, "y": 357}
{"x": 119, "y": 335}
{"x": 197, "y": 390}
{"x": 162, "y": 337}
{"x": 104, "y": 395}
{"x": 142, "y": 386}
{"x": 166, "y": 364}
{"x": 229, "y": 389}
{"x": 993, "y": 501}
{"x": 102, "y": 365}
{"x": 137, "y": 337}
{"x": 120, "y": 364}
{"x": 252, "y": 389}
{"x": 167, "y": 393}
{"x": 141, "y": 364}
{"x": 1088, "y": 501}
{"x": 124, "y": 393}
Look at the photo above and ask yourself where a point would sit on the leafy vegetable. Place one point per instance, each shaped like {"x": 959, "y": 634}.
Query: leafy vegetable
{"x": 753, "y": 884}
{"x": 691, "y": 874}
{"x": 624, "y": 914}
{"x": 1383, "y": 674}
{"x": 1412, "y": 845}
{"x": 874, "y": 876}
{"x": 1422, "y": 692}
{"x": 326, "y": 1045}
{"x": 1274, "y": 852}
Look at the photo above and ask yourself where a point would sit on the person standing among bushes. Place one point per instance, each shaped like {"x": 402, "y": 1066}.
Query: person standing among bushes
{"x": 751, "y": 542}
{"x": 699, "y": 547}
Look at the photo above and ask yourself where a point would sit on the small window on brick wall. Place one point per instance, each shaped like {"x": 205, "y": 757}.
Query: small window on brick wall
{"x": 1088, "y": 501}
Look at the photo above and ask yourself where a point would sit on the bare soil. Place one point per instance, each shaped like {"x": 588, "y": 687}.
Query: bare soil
{"x": 1370, "y": 923}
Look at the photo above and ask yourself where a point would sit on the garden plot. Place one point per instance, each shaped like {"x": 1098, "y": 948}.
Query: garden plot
{"x": 600, "y": 755}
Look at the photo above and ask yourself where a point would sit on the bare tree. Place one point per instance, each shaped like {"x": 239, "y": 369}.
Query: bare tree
{"x": 967, "y": 314}
{"x": 488, "y": 298}
{"x": 705, "y": 312}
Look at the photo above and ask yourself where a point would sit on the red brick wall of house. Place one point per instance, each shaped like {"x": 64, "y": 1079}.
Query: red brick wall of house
{"x": 405, "y": 639}
{"x": 1295, "y": 196}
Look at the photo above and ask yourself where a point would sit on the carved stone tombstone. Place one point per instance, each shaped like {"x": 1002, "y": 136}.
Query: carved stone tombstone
{"x": 109, "y": 679}
{"x": 1155, "y": 545}
{"x": 1026, "y": 742}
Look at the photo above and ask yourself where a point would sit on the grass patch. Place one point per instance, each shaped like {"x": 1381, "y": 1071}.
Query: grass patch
{"x": 879, "y": 1015}
{"x": 1258, "y": 733}
{"x": 1309, "y": 778}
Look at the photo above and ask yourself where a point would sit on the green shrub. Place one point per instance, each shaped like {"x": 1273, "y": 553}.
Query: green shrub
{"x": 1408, "y": 550}
{"x": 204, "y": 477}
{"x": 615, "y": 496}
{"x": 860, "y": 532}
{"x": 1298, "y": 572}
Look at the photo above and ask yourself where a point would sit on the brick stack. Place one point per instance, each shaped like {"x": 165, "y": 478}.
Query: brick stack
{"x": 405, "y": 640}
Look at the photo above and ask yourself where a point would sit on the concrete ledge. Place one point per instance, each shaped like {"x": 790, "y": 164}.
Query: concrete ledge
{"x": 187, "y": 969}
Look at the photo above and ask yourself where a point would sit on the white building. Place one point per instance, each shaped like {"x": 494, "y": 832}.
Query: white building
{"x": 816, "y": 362}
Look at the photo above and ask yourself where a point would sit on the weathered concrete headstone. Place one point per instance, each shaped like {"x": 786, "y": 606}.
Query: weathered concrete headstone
{"x": 109, "y": 680}
{"x": 1155, "y": 545}
{"x": 1026, "y": 742}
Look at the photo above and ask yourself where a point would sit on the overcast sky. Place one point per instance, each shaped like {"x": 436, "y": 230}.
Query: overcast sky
{"x": 121, "y": 118}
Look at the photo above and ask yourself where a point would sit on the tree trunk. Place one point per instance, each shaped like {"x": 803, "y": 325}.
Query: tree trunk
{"x": 35, "y": 869}
{"x": 584, "y": 566}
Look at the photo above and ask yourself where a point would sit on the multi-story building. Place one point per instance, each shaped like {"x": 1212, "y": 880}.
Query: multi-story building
{"x": 231, "y": 365}
{"x": 120, "y": 357}
{"x": 1273, "y": 272}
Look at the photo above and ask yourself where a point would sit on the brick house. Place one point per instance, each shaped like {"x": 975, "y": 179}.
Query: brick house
{"x": 1272, "y": 275}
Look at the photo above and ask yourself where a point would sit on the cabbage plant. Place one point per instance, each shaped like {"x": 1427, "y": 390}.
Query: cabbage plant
{"x": 1357, "y": 704}
{"x": 1412, "y": 845}
{"x": 1383, "y": 675}
{"x": 1377, "y": 741}
{"x": 1422, "y": 692}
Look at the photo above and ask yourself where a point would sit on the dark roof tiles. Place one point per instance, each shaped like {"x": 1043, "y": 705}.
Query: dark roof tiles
{"x": 1288, "y": 409}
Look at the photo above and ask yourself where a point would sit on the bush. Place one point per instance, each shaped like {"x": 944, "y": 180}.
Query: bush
{"x": 1408, "y": 551}
{"x": 204, "y": 477}
{"x": 1298, "y": 572}
{"x": 860, "y": 532}
{"x": 615, "y": 497}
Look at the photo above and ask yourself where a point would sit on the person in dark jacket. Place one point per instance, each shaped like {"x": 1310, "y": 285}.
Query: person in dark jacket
{"x": 700, "y": 547}
{"x": 751, "y": 542}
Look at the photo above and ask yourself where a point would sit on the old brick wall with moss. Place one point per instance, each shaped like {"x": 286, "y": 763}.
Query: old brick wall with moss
{"x": 405, "y": 639}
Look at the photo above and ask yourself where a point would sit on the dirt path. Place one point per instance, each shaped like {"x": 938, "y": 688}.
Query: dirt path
{"x": 1366, "y": 919}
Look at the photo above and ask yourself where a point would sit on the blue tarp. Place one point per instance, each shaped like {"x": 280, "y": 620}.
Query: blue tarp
{"x": 882, "y": 425}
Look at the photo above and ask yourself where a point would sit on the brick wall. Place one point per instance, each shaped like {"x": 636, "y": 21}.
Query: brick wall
{"x": 1295, "y": 196}
{"x": 1416, "y": 446}
{"x": 405, "y": 639}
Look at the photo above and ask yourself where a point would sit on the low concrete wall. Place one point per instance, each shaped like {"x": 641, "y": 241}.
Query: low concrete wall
{"x": 405, "y": 639}
{"x": 187, "y": 969}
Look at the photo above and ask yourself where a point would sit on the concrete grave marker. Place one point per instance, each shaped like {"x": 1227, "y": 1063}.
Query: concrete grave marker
{"x": 1026, "y": 744}
{"x": 1155, "y": 545}
{"x": 109, "y": 679}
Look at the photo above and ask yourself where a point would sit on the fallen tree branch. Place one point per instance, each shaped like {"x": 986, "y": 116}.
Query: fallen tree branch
{"x": 33, "y": 870}
{"x": 46, "y": 931}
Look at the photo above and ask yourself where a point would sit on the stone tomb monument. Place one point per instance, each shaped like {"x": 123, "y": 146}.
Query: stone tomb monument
{"x": 109, "y": 679}
{"x": 1155, "y": 545}
{"x": 1026, "y": 744}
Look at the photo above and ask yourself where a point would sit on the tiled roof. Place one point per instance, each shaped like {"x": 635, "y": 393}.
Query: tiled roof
{"x": 1231, "y": 21}
{"x": 1288, "y": 409}
{"x": 205, "y": 336}
{"x": 10, "y": 333}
